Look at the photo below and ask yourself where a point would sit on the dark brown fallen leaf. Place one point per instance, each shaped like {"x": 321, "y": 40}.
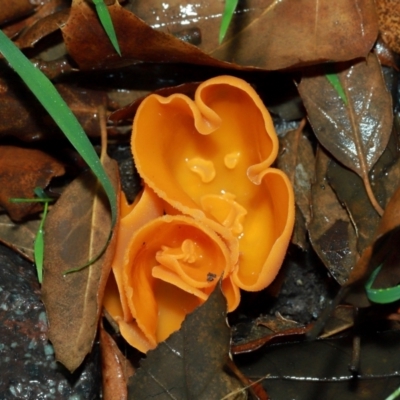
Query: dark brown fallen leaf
{"x": 21, "y": 171}
{"x": 385, "y": 55}
{"x": 382, "y": 251}
{"x": 15, "y": 10}
{"x": 190, "y": 363}
{"x": 271, "y": 34}
{"x": 33, "y": 123}
{"x": 42, "y": 27}
{"x": 116, "y": 369}
{"x": 331, "y": 232}
{"x": 76, "y": 231}
{"x": 351, "y": 193}
{"x": 319, "y": 370}
{"x": 19, "y": 236}
{"x": 356, "y": 134}
{"x": 297, "y": 159}
{"x": 128, "y": 112}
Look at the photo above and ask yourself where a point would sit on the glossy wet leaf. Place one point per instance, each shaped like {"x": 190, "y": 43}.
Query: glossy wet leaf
{"x": 116, "y": 369}
{"x": 190, "y": 363}
{"x": 21, "y": 171}
{"x": 356, "y": 134}
{"x": 331, "y": 232}
{"x": 351, "y": 193}
{"x": 76, "y": 230}
{"x": 271, "y": 34}
{"x": 319, "y": 369}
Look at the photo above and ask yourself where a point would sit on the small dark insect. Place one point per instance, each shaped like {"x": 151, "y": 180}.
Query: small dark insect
{"x": 211, "y": 277}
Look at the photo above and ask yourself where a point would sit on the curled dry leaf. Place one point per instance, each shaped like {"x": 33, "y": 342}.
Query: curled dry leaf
{"x": 355, "y": 134}
{"x": 89, "y": 46}
{"x": 190, "y": 363}
{"x": 331, "y": 232}
{"x": 76, "y": 231}
{"x": 116, "y": 369}
{"x": 21, "y": 171}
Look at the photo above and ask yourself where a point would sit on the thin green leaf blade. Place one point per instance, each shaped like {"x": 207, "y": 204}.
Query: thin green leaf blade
{"x": 230, "y": 7}
{"x": 381, "y": 296}
{"x": 44, "y": 90}
{"x": 335, "y": 82}
{"x": 39, "y": 245}
{"x": 106, "y": 22}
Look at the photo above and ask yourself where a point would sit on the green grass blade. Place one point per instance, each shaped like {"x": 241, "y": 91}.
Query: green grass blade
{"x": 394, "y": 395}
{"x": 335, "y": 82}
{"x": 48, "y": 96}
{"x": 106, "y": 21}
{"x": 381, "y": 296}
{"x": 38, "y": 247}
{"x": 51, "y": 100}
{"x": 230, "y": 7}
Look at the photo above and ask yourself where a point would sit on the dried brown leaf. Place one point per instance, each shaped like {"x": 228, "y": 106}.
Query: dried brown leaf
{"x": 76, "y": 230}
{"x": 356, "y": 134}
{"x": 331, "y": 232}
{"x": 116, "y": 369}
{"x": 21, "y": 171}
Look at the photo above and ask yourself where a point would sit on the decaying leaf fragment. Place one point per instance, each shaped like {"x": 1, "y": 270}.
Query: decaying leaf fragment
{"x": 116, "y": 369}
{"x": 189, "y": 364}
{"x": 19, "y": 236}
{"x": 297, "y": 160}
{"x": 21, "y": 171}
{"x": 355, "y": 134}
{"x": 76, "y": 231}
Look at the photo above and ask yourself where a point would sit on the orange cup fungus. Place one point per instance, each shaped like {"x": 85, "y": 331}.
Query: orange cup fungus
{"x": 206, "y": 164}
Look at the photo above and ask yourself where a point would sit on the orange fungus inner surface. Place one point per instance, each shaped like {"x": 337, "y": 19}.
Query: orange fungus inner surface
{"x": 207, "y": 162}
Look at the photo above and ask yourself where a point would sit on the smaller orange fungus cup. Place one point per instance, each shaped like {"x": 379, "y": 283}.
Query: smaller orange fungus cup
{"x": 206, "y": 164}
